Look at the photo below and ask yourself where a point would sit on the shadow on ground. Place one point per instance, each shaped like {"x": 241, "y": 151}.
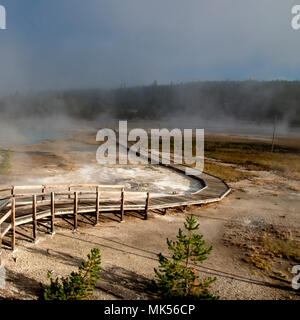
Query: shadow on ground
{"x": 23, "y": 283}
{"x": 125, "y": 284}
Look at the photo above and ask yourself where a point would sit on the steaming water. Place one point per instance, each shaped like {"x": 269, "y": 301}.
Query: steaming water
{"x": 33, "y": 137}
{"x": 10, "y": 136}
{"x": 154, "y": 179}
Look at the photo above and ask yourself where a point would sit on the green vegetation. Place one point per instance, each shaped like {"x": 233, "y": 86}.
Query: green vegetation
{"x": 257, "y": 261}
{"x": 5, "y": 164}
{"x": 270, "y": 249}
{"x": 256, "y": 156}
{"x": 226, "y": 173}
{"x": 175, "y": 278}
{"x": 249, "y": 155}
{"x": 79, "y": 285}
{"x": 286, "y": 248}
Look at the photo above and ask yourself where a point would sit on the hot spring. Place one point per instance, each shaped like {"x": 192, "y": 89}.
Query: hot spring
{"x": 155, "y": 179}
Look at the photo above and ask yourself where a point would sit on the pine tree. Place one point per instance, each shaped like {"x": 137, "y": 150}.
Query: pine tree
{"x": 79, "y": 285}
{"x": 175, "y": 277}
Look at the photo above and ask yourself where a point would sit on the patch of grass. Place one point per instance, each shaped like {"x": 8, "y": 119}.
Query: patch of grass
{"x": 258, "y": 262}
{"x": 250, "y": 155}
{"x": 280, "y": 274}
{"x": 5, "y": 165}
{"x": 255, "y": 156}
{"x": 283, "y": 248}
{"x": 226, "y": 173}
{"x": 267, "y": 249}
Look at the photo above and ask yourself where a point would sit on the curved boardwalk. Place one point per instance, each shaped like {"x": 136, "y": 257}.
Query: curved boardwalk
{"x": 29, "y": 204}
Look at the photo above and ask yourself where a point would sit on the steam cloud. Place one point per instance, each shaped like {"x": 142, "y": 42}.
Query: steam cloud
{"x": 105, "y": 44}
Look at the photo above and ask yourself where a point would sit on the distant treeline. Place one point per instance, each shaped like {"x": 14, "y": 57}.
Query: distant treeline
{"x": 260, "y": 101}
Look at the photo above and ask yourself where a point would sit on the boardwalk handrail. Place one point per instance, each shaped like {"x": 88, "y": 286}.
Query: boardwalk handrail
{"x": 54, "y": 199}
{"x": 43, "y": 188}
{"x": 46, "y": 201}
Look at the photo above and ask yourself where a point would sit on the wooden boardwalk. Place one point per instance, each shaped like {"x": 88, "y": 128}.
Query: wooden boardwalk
{"x": 29, "y": 204}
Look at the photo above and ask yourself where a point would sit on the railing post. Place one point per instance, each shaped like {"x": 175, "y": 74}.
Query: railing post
{"x": 122, "y": 204}
{"x": 12, "y": 190}
{"x": 34, "y": 220}
{"x": 52, "y": 212}
{"x": 0, "y": 246}
{"x": 69, "y": 189}
{"x": 13, "y": 224}
{"x": 43, "y": 191}
{"x": 75, "y": 210}
{"x": 147, "y": 206}
{"x": 97, "y": 205}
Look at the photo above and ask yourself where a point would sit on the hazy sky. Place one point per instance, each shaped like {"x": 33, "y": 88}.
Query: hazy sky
{"x": 53, "y": 44}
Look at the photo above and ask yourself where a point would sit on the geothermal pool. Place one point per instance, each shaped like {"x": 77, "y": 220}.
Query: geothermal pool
{"x": 155, "y": 179}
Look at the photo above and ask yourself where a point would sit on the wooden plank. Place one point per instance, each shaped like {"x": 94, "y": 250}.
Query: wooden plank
{"x": 13, "y": 226}
{"x": 29, "y": 195}
{"x": 147, "y": 205}
{"x": 52, "y": 212}
{"x": 43, "y": 191}
{"x": 4, "y": 204}
{"x": 5, "y": 198}
{"x": 93, "y": 186}
{"x": 97, "y": 205}
{"x": 27, "y": 188}
{"x": 28, "y": 204}
{"x": 6, "y": 216}
{"x": 111, "y": 186}
{"x": 117, "y": 193}
{"x": 34, "y": 220}
{"x": 1, "y": 237}
{"x": 5, "y": 227}
{"x": 5, "y": 189}
{"x": 132, "y": 193}
{"x": 62, "y": 186}
{"x": 57, "y": 186}
{"x": 122, "y": 204}
{"x": 75, "y": 210}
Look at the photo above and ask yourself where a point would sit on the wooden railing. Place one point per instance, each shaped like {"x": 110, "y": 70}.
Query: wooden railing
{"x": 29, "y": 204}
{"x": 53, "y": 201}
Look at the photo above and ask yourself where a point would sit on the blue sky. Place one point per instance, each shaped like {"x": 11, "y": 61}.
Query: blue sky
{"x": 62, "y": 44}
